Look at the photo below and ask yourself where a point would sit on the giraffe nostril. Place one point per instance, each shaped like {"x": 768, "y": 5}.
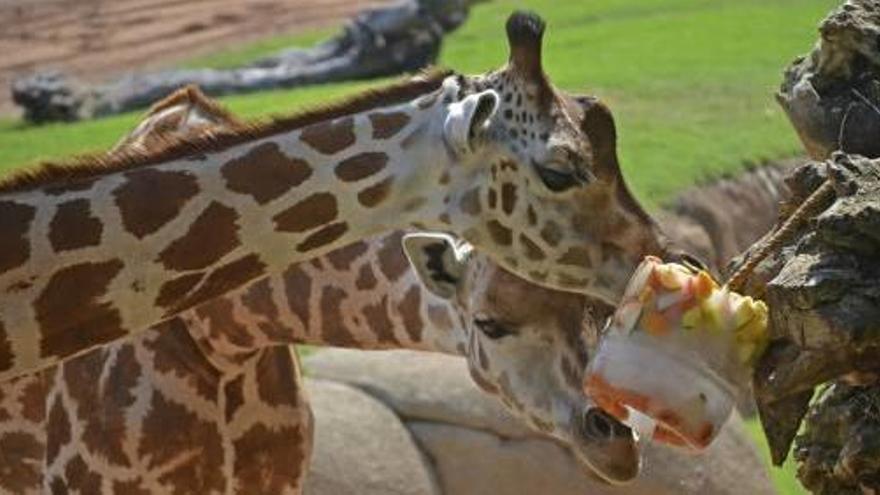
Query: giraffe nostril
{"x": 596, "y": 424}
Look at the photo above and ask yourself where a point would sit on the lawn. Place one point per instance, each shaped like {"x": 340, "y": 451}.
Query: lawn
{"x": 691, "y": 83}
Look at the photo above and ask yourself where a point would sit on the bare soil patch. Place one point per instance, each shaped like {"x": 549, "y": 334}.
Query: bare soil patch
{"x": 97, "y": 39}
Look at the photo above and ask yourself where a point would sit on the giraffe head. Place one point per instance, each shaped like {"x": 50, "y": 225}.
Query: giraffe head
{"x": 549, "y": 202}
{"x": 527, "y": 345}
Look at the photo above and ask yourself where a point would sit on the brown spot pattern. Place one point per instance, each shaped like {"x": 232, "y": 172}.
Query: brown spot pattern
{"x": 366, "y": 280}
{"x": 387, "y": 124}
{"x": 220, "y": 318}
{"x": 342, "y": 258}
{"x": 33, "y": 397}
{"x": 15, "y": 220}
{"x": 375, "y": 194}
{"x": 258, "y": 299}
{"x": 21, "y": 457}
{"x": 139, "y": 197}
{"x": 57, "y": 430}
{"x": 508, "y": 198}
{"x": 576, "y": 256}
{"x": 234, "y": 393}
{"x": 223, "y": 280}
{"x": 212, "y": 235}
{"x": 439, "y": 317}
{"x": 326, "y": 235}
{"x": 298, "y": 288}
{"x": 175, "y": 352}
{"x": 335, "y": 331}
{"x": 532, "y": 216}
{"x": 470, "y": 202}
{"x": 80, "y": 478}
{"x": 379, "y": 322}
{"x": 175, "y": 289}
{"x": 268, "y": 461}
{"x": 329, "y": 137}
{"x": 265, "y": 173}
{"x": 74, "y": 227}
{"x": 6, "y": 356}
{"x": 313, "y": 211}
{"x": 499, "y": 233}
{"x": 392, "y": 260}
{"x": 551, "y": 233}
{"x": 276, "y": 377}
{"x": 361, "y": 166}
{"x": 532, "y": 250}
{"x": 72, "y": 312}
{"x": 201, "y": 472}
{"x": 133, "y": 487}
{"x": 492, "y": 199}
{"x": 409, "y": 308}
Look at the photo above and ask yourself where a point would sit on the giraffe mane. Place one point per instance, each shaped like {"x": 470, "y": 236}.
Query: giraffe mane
{"x": 87, "y": 166}
{"x": 191, "y": 93}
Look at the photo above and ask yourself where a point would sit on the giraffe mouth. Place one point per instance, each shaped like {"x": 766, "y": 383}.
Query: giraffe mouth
{"x": 607, "y": 447}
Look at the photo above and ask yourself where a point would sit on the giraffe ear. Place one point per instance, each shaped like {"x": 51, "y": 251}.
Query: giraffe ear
{"x": 438, "y": 261}
{"x": 468, "y": 117}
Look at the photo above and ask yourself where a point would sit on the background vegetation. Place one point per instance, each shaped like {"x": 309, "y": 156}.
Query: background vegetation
{"x": 691, "y": 83}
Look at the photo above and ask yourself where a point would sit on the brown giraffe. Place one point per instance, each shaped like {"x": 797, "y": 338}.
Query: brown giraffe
{"x": 526, "y": 350}
{"x": 96, "y": 252}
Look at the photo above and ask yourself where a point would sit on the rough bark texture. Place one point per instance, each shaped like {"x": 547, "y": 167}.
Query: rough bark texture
{"x": 402, "y": 37}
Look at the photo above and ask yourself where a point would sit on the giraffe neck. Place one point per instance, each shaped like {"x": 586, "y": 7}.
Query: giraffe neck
{"x": 362, "y": 296}
{"x": 103, "y": 257}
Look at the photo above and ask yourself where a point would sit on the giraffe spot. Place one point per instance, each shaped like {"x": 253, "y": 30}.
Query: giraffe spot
{"x": 258, "y": 299}
{"x": 313, "y": 211}
{"x": 33, "y": 398}
{"x": 342, "y": 258}
{"x": 233, "y": 391}
{"x": 492, "y": 199}
{"x": 551, "y": 233}
{"x": 329, "y": 137}
{"x": 298, "y": 288}
{"x": 531, "y": 215}
{"x": 361, "y": 166}
{"x": 482, "y": 358}
{"x": 222, "y": 280}
{"x": 15, "y": 221}
{"x": 387, "y": 124}
{"x": 576, "y": 256}
{"x": 74, "y": 227}
{"x": 219, "y": 313}
{"x": 173, "y": 290}
{"x": 470, "y": 202}
{"x": 500, "y": 234}
{"x": 532, "y": 250}
{"x": 198, "y": 473}
{"x": 445, "y": 178}
{"x": 269, "y": 461}
{"x": 265, "y": 173}
{"x": 375, "y": 194}
{"x": 7, "y": 359}
{"x": 277, "y": 377}
{"x": 365, "y": 280}
{"x": 568, "y": 281}
{"x": 57, "y": 429}
{"x": 138, "y": 199}
{"x": 73, "y": 312}
{"x": 322, "y": 237}
{"x": 378, "y": 321}
{"x": 212, "y": 235}
{"x": 335, "y": 331}
{"x": 102, "y": 406}
{"x": 58, "y": 190}
{"x": 444, "y": 218}
{"x": 538, "y": 276}
{"x": 410, "y": 311}
{"x": 414, "y": 204}
{"x": 415, "y": 136}
{"x": 392, "y": 260}
{"x": 482, "y": 382}
{"x": 508, "y": 197}
{"x": 132, "y": 487}
{"x": 21, "y": 457}
{"x": 80, "y": 478}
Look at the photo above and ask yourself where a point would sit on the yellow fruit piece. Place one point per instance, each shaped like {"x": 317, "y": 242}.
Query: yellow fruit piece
{"x": 692, "y": 318}
{"x": 670, "y": 276}
{"x": 703, "y": 285}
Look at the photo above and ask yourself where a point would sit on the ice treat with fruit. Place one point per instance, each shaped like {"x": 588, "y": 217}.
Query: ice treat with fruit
{"x": 676, "y": 353}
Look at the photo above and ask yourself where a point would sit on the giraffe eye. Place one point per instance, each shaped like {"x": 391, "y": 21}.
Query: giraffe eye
{"x": 492, "y": 328}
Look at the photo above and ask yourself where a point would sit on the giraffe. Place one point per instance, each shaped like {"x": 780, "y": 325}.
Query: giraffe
{"x": 223, "y": 348}
{"x": 113, "y": 246}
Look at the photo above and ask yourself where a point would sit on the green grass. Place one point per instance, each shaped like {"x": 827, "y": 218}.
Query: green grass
{"x": 691, "y": 83}
{"x": 784, "y": 478}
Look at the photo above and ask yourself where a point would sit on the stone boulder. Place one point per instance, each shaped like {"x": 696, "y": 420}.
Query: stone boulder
{"x": 362, "y": 447}
{"x": 476, "y": 447}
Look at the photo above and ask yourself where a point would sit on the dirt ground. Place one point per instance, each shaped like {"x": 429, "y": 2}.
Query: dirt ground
{"x": 97, "y": 39}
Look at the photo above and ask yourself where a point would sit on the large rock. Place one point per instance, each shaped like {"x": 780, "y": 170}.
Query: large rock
{"x": 361, "y": 447}
{"x": 477, "y": 448}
